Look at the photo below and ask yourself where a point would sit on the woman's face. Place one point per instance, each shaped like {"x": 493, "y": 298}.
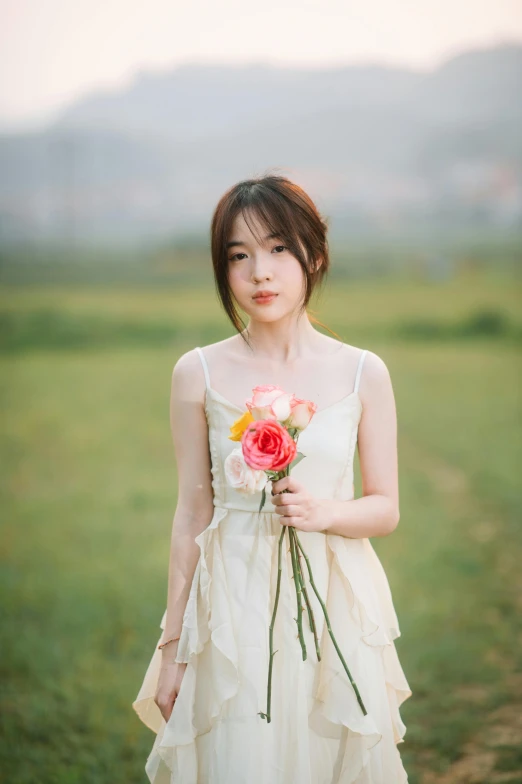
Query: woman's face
{"x": 254, "y": 267}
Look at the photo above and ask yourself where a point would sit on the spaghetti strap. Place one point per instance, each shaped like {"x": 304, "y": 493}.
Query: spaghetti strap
{"x": 205, "y": 366}
{"x": 359, "y": 370}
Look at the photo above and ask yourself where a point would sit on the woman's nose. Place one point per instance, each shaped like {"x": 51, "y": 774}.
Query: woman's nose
{"x": 261, "y": 268}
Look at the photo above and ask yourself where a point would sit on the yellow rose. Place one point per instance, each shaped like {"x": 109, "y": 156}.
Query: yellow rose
{"x": 240, "y": 425}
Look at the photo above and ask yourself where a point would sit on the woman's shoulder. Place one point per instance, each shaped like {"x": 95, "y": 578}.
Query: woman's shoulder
{"x": 219, "y": 345}
{"x": 188, "y": 366}
{"x": 374, "y": 374}
{"x": 215, "y": 353}
{"x": 187, "y": 380}
{"x": 372, "y": 368}
{"x": 371, "y": 360}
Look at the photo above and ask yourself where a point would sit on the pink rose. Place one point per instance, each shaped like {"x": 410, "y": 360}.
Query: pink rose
{"x": 269, "y": 402}
{"x": 267, "y": 445}
{"x": 301, "y": 412}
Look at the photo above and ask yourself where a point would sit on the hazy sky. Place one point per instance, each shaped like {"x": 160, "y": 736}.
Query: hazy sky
{"x": 52, "y": 51}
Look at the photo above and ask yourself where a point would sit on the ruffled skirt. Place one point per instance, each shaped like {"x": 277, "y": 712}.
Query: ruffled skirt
{"x": 318, "y": 733}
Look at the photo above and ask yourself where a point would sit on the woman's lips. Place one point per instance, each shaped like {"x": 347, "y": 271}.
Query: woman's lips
{"x": 265, "y": 300}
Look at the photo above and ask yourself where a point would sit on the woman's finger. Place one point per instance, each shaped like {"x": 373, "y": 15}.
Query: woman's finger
{"x": 289, "y": 510}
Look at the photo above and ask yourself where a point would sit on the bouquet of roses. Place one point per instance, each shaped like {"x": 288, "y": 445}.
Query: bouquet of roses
{"x": 268, "y": 432}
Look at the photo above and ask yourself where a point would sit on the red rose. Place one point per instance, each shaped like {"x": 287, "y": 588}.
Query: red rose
{"x": 267, "y": 445}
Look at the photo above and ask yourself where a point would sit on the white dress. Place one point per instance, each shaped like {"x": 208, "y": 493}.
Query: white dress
{"x": 318, "y": 733}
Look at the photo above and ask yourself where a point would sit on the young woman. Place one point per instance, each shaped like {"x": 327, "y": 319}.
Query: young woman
{"x": 205, "y": 691}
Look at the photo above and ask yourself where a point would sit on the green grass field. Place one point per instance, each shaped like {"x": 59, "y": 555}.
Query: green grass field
{"x": 89, "y": 492}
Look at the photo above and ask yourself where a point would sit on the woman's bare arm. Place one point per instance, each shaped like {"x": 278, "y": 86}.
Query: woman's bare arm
{"x": 376, "y": 513}
{"x": 194, "y": 506}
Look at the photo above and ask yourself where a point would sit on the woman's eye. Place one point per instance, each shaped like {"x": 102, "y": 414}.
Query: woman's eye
{"x": 278, "y": 248}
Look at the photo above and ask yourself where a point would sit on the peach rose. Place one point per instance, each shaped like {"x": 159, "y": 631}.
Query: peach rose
{"x": 301, "y": 412}
{"x": 240, "y": 476}
{"x": 267, "y": 445}
{"x": 269, "y": 402}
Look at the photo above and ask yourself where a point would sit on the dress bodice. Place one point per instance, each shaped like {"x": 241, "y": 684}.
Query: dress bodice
{"x": 328, "y": 443}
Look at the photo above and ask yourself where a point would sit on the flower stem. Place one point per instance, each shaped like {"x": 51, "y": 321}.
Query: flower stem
{"x": 267, "y": 715}
{"x": 311, "y": 617}
{"x": 359, "y": 699}
{"x": 297, "y": 584}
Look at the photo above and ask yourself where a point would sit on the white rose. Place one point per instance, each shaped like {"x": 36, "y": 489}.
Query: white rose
{"x": 240, "y": 476}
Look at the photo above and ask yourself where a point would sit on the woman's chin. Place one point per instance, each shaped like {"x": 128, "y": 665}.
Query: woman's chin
{"x": 264, "y": 316}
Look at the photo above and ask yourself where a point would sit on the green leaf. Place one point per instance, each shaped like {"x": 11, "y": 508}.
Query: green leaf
{"x": 263, "y": 499}
{"x": 297, "y": 459}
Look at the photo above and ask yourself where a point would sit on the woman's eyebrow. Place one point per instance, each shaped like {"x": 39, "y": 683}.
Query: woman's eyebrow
{"x": 236, "y": 243}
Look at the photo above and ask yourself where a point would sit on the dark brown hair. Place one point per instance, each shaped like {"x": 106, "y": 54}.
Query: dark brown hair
{"x": 284, "y": 209}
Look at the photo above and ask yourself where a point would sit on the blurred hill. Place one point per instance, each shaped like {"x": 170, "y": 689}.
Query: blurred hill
{"x": 376, "y": 147}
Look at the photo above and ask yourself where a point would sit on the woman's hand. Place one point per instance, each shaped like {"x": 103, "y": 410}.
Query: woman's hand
{"x": 169, "y": 684}
{"x": 297, "y": 507}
